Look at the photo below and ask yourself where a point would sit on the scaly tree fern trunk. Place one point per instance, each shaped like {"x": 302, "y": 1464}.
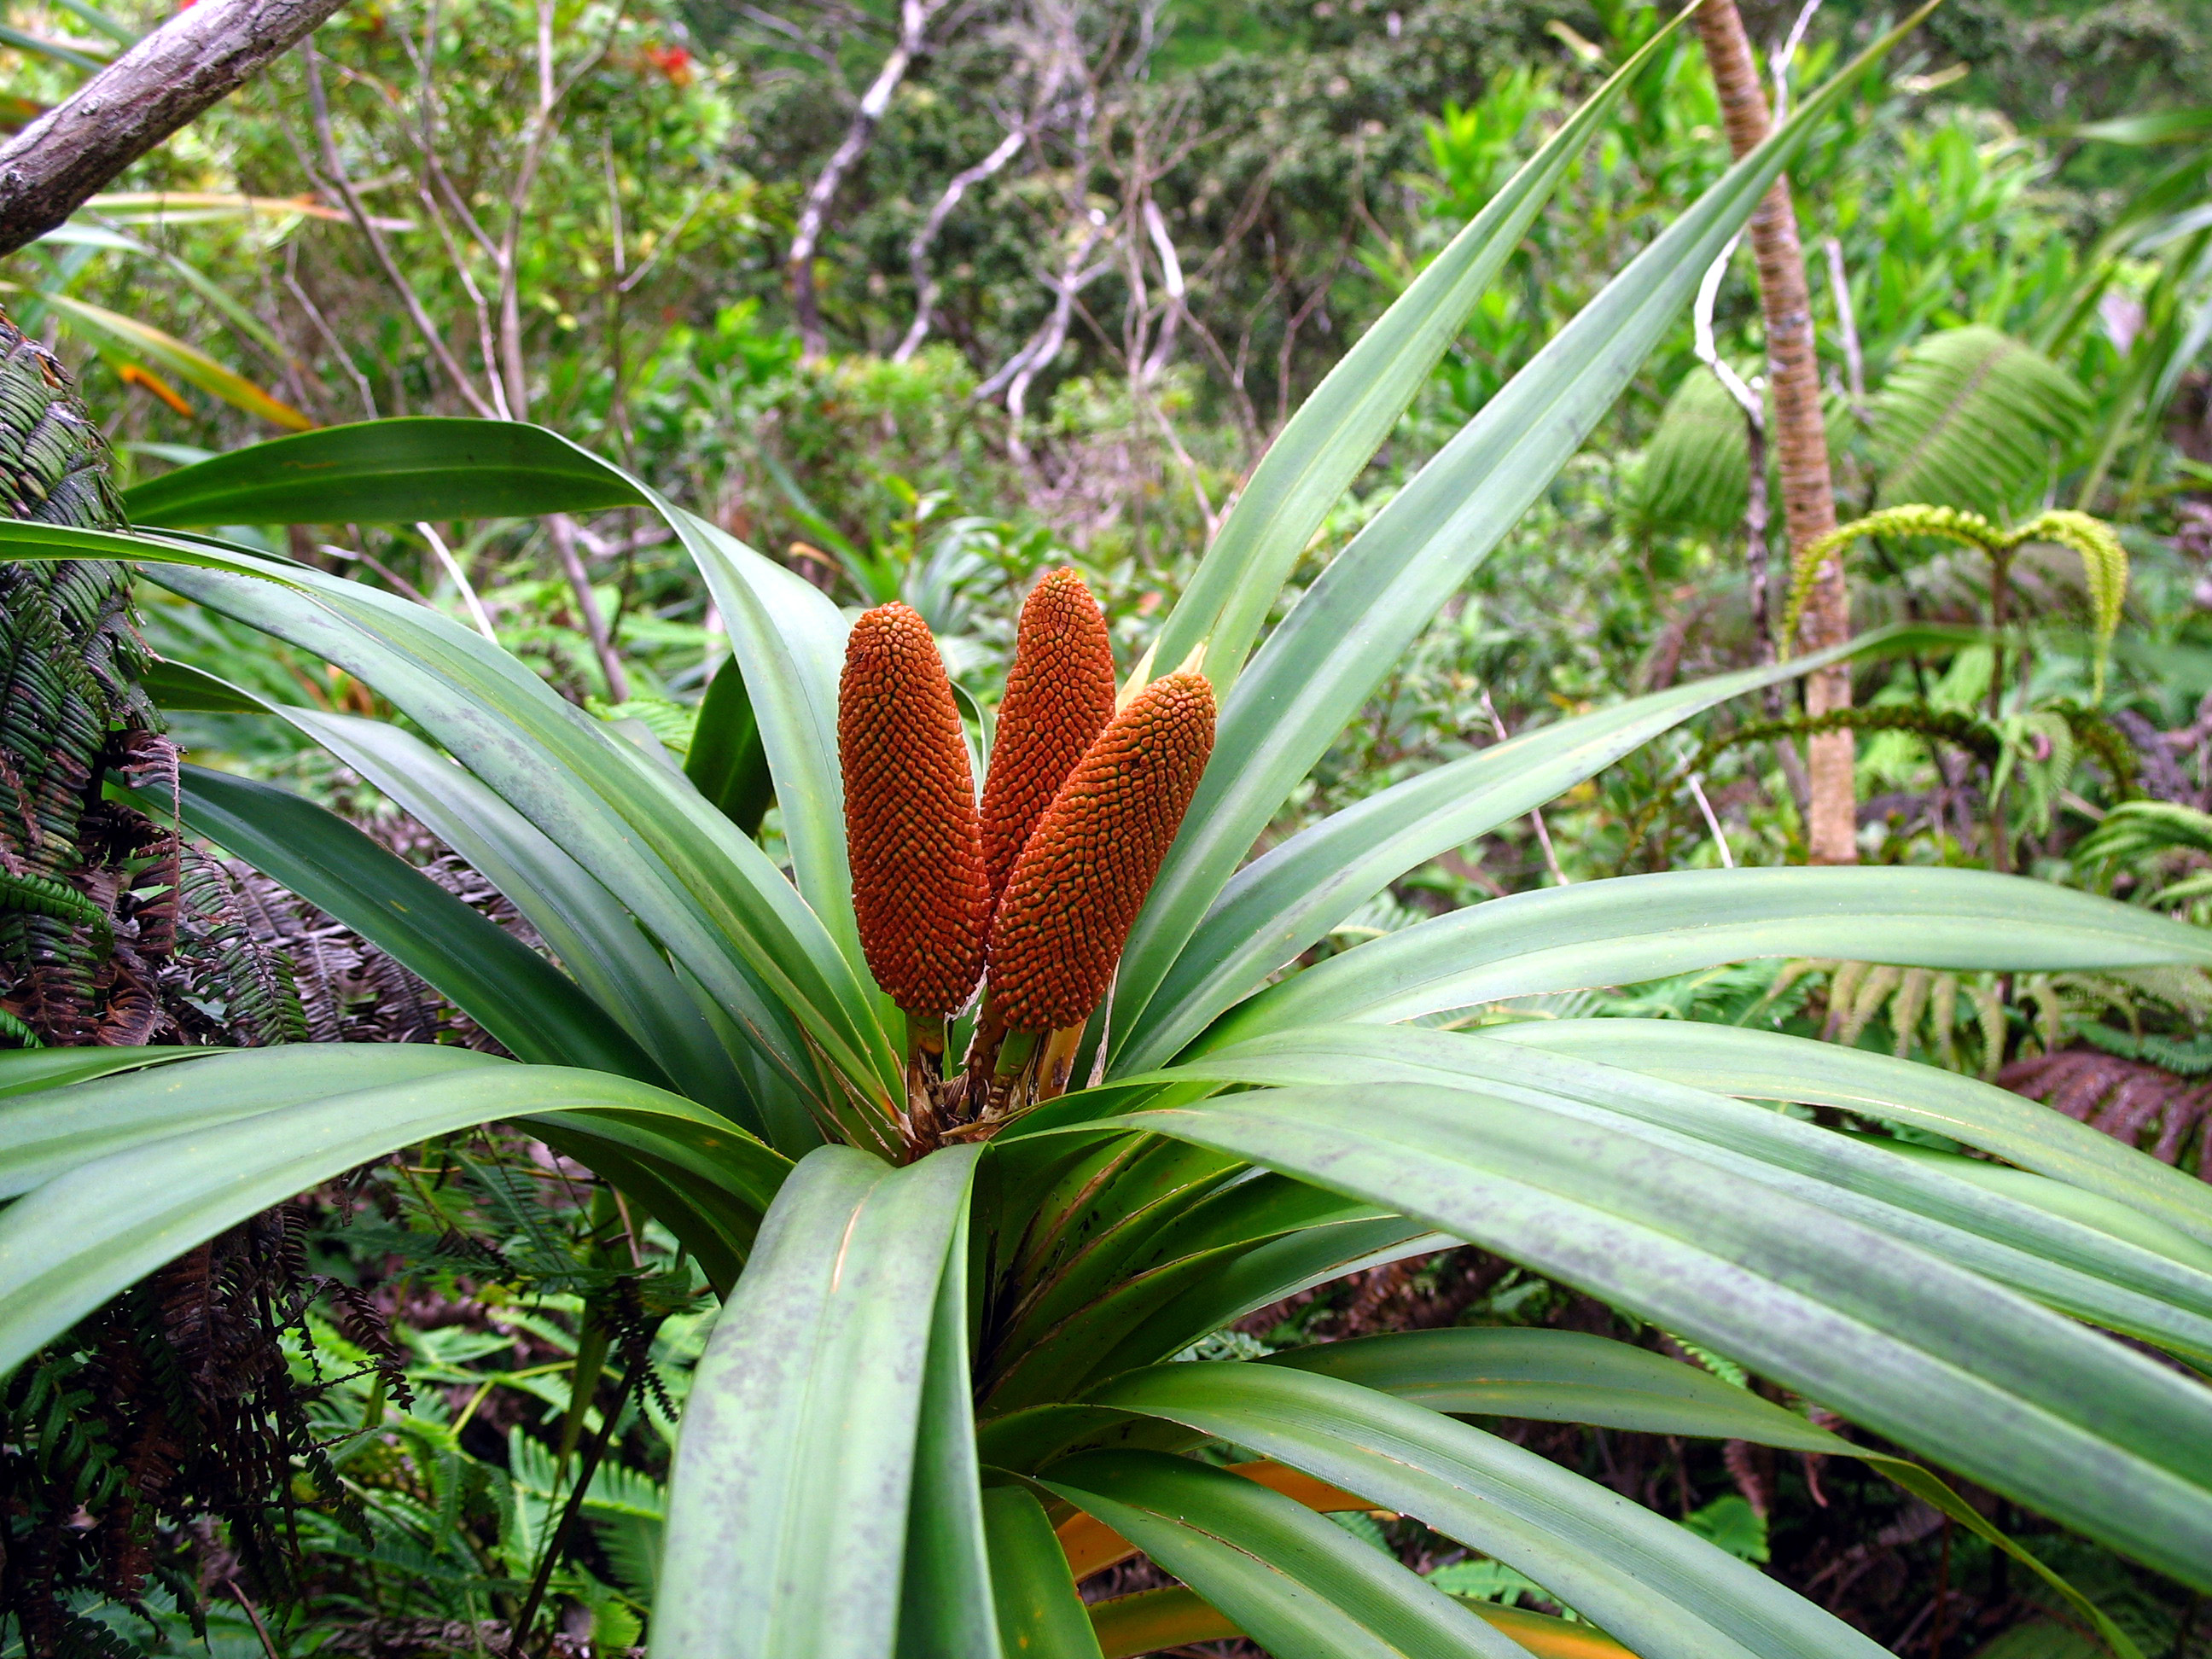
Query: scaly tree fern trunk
{"x": 1808, "y": 497}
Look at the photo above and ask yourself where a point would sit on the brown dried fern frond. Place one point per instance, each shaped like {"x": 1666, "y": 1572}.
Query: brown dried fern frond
{"x": 2130, "y": 1100}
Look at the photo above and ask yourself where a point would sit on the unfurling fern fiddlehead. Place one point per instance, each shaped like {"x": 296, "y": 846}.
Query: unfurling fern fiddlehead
{"x": 2103, "y": 560}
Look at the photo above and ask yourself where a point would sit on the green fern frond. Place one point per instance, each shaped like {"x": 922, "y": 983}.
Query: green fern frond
{"x": 43, "y": 895}
{"x": 1696, "y": 466}
{"x": 2186, "y": 1057}
{"x": 2104, "y": 559}
{"x": 1975, "y": 417}
{"x": 2137, "y": 829}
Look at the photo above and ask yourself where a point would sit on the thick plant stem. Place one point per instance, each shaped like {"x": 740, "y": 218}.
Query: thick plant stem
{"x": 925, "y": 1077}
{"x": 1058, "y": 1061}
{"x": 1809, "y": 500}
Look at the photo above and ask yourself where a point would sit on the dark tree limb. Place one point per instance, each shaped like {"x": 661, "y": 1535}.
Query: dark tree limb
{"x": 199, "y": 57}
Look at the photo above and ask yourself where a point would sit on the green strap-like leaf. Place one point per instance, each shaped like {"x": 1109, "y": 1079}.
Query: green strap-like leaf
{"x": 178, "y": 688}
{"x": 1656, "y": 1587}
{"x": 1771, "y": 1065}
{"x": 514, "y": 993}
{"x": 2056, "y": 1198}
{"x": 1347, "y": 631}
{"x": 27, "y": 1071}
{"x": 419, "y": 658}
{"x": 723, "y": 910}
{"x": 1286, "y": 900}
{"x": 1337, "y": 430}
{"x": 588, "y": 932}
{"x": 1264, "y": 1275}
{"x": 946, "y": 1599}
{"x": 1640, "y": 928}
{"x": 786, "y": 636}
{"x": 1057, "y": 1343}
{"x": 1559, "y": 1377}
{"x": 1040, "y": 1615}
{"x": 2081, "y": 1268}
{"x": 727, "y": 764}
{"x": 86, "y": 1233}
{"x": 1301, "y": 1586}
{"x": 27, "y": 539}
{"x": 1566, "y": 1377}
{"x": 392, "y": 471}
{"x": 1154, "y": 1621}
{"x": 87, "y": 1114}
{"x": 1929, "y": 1355}
{"x": 788, "y": 1508}
{"x": 1106, "y": 1206}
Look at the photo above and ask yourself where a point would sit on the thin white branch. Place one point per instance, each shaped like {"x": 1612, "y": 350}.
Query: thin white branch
{"x": 477, "y": 611}
{"x": 924, "y": 284}
{"x": 1778, "y": 66}
{"x": 1712, "y": 822}
{"x": 1701, "y": 342}
{"x": 1847, "y": 322}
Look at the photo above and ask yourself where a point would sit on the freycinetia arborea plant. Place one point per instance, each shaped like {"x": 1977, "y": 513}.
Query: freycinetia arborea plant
{"x": 961, "y": 1240}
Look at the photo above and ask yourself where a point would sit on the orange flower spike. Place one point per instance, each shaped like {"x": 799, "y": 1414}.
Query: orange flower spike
{"x": 910, "y": 816}
{"x": 1059, "y": 695}
{"x": 1080, "y": 882}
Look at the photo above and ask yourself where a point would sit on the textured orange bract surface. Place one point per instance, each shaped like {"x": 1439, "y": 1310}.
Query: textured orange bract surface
{"x": 1080, "y": 882}
{"x": 1059, "y": 695}
{"x": 910, "y": 816}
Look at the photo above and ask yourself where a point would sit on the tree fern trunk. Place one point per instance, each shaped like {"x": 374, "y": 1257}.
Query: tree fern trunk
{"x": 1809, "y": 499}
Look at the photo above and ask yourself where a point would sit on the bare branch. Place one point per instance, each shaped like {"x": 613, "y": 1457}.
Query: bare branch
{"x": 914, "y": 17}
{"x": 562, "y": 530}
{"x": 925, "y": 284}
{"x": 1055, "y": 42}
{"x": 319, "y": 111}
{"x": 48, "y": 170}
{"x": 543, "y": 124}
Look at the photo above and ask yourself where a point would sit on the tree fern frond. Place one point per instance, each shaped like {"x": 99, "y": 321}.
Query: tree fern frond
{"x": 1696, "y": 464}
{"x": 1974, "y": 418}
{"x": 43, "y": 895}
{"x": 2136, "y": 831}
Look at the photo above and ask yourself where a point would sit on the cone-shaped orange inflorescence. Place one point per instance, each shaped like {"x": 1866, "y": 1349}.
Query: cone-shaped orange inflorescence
{"x": 1078, "y": 884}
{"x": 1059, "y": 695}
{"x": 910, "y": 816}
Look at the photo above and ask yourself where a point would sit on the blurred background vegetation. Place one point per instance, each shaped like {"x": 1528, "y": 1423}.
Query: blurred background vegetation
{"x": 1053, "y": 296}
